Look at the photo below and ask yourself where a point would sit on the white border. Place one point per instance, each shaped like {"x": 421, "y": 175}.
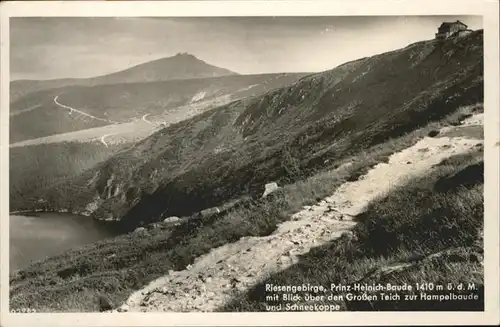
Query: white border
{"x": 489, "y": 9}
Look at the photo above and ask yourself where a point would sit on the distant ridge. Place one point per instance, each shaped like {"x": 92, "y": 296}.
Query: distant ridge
{"x": 178, "y": 67}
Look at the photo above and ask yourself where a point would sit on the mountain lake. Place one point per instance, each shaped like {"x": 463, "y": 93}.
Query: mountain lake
{"x": 36, "y": 236}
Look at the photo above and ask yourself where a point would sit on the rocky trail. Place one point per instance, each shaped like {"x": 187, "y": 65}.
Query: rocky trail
{"x": 213, "y": 279}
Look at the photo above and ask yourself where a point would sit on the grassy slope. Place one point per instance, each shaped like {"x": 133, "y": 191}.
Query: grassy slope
{"x": 123, "y": 102}
{"x": 46, "y": 118}
{"x": 434, "y": 222}
{"x": 235, "y": 149}
{"x": 71, "y": 281}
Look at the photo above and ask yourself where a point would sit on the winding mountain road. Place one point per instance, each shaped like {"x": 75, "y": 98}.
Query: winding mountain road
{"x": 152, "y": 123}
{"x": 71, "y": 109}
{"x": 130, "y": 131}
{"x": 147, "y": 121}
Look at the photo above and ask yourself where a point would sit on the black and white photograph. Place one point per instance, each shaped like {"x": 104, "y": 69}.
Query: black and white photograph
{"x": 247, "y": 164}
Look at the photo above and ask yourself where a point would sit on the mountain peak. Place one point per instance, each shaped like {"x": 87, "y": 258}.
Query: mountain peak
{"x": 183, "y": 65}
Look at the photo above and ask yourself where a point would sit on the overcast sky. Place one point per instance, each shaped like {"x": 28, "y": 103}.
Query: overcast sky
{"x": 45, "y": 48}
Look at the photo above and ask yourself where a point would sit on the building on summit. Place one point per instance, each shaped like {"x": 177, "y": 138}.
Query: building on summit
{"x": 452, "y": 29}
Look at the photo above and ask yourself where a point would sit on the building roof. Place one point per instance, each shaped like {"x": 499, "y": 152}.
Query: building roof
{"x": 446, "y": 24}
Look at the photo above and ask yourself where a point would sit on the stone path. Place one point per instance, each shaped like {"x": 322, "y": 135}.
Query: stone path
{"x": 213, "y": 279}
